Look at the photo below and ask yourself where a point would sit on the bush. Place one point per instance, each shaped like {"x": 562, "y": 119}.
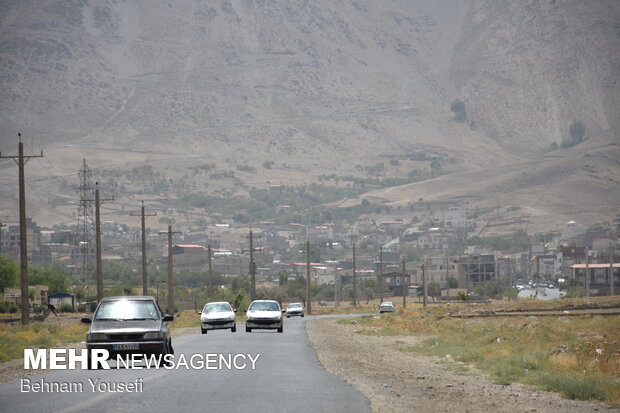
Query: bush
{"x": 66, "y": 308}
{"x": 458, "y": 107}
{"x": 12, "y": 308}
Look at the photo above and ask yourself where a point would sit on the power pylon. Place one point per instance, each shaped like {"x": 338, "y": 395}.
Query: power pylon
{"x": 83, "y": 253}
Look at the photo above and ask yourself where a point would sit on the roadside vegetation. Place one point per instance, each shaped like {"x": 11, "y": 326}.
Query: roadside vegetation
{"x": 14, "y": 339}
{"x": 577, "y": 356}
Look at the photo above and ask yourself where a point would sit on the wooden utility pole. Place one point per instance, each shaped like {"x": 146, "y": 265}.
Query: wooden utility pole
{"x": 424, "y": 288}
{"x": 252, "y": 269}
{"x": 210, "y": 272}
{"x": 586, "y": 280}
{"x": 611, "y": 271}
{"x": 308, "y": 283}
{"x": 405, "y": 285}
{"x": 98, "y": 202}
{"x": 448, "y": 277}
{"x": 143, "y": 216}
{"x": 354, "y": 279}
{"x": 170, "y": 275}
{"x": 381, "y": 271}
{"x": 1, "y": 226}
{"x": 23, "y": 242}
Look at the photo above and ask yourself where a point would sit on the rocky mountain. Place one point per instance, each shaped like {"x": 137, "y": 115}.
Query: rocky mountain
{"x": 312, "y": 86}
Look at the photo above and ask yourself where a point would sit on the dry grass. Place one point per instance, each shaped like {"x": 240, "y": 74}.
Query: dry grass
{"x": 14, "y": 339}
{"x": 578, "y": 357}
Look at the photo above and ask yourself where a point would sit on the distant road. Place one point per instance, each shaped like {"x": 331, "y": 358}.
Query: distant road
{"x": 543, "y": 293}
{"x": 288, "y": 378}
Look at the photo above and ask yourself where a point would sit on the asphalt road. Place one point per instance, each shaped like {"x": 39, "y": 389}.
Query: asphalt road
{"x": 543, "y": 293}
{"x": 287, "y": 377}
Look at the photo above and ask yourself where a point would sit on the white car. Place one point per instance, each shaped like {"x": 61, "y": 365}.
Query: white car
{"x": 264, "y": 314}
{"x": 386, "y": 307}
{"x": 294, "y": 309}
{"x": 217, "y": 315}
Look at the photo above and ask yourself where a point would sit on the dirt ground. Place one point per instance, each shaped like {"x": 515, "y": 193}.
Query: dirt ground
{"x": 397, "y": 381}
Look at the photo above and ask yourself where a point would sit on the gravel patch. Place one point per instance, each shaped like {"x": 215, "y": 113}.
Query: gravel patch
{"x": 398, "y": 381}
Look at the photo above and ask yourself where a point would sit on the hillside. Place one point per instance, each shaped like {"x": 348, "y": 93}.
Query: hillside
{"x": 283, "y": 92}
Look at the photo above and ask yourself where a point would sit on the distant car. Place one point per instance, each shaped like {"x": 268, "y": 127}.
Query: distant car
{"x": 294, "y": 309}
{"x": 264, "y": 314}
{"x": 217, "y": 316}
{"x": 386, "y": 307}
{"x": 127, "y": 325}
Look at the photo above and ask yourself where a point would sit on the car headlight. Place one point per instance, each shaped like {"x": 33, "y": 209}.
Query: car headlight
{"x": 96, "y": 337}
{"x": 153, "y": 335}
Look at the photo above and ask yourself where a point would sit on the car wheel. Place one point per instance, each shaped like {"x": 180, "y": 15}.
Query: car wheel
{"x": 302, "y": 316}
{"x": 234, "y": 329}
{"x": 288, "y": 316}
{"x": 280, "y": 329}
{"x": 248, "y": 330}
{"x": 203, "y": 331}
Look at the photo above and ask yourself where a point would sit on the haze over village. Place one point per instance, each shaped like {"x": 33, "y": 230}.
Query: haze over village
{"x": 327, "y": 206}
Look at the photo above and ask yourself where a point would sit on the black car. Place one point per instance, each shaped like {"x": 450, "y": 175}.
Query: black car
{"x": 127, "y": 325}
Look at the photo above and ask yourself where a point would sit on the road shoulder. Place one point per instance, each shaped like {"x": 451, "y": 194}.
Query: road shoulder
{"x": 397, "y": 381}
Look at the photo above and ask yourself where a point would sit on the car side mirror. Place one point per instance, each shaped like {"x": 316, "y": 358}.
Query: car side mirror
{"x": 168, "y": 318}
{"x": 199, "y": 312}
{"x": 86, "y": 320}
{"x": 283, "y": 310}
{"x": 235, "y": 310}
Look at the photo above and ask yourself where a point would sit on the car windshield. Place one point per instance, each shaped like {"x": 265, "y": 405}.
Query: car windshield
{"x": 264, "y": 306}
{"x": 217, "y": 308}
{"x": 294, "y": 305}
{"x": 127, "y": 310}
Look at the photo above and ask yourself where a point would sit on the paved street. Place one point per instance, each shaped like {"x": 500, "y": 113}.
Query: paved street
{"x": 288, "y": 377}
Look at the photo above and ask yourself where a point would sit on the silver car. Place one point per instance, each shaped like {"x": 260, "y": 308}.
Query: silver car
{"x": 264, "y": 314}
{"x": 386, "y": 307}
{"x": 294, "y": 309}
{"x": 217, "y": 315}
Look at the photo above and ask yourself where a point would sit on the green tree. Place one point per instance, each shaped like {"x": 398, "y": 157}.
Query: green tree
{"x": 9, "y": 272}
{"x": 54, "y": 278}
{"x": 453, "y": 282}
{"x": 434, "y": 289}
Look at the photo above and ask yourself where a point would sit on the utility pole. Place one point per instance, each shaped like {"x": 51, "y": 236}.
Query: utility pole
{"x": 336, "y": 297}
{"x": 354, "y": 280}
{"x": 587, "y": 277}
{"x": 448, "y": 277}
{"x": 611, "y": 270}
{"x": 98, "y": 201}
{"x": 424, "y": 288}
{"x": 143, "y": 216}
{"x": 405, "y": 285}
{"x": 1, "y": 226}
{"x": 381, "y": 272}
{"x": 252, "y": 270}
{"x": 308, "y": 282}
{"x": 210, "y": 272}
{"x": 170, "y": 275}
{"x": 23, "y": 242}
{"x": 252, "y": 267}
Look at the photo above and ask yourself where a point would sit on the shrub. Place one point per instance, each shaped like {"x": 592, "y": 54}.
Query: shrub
{"x": 66, "y": 308}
